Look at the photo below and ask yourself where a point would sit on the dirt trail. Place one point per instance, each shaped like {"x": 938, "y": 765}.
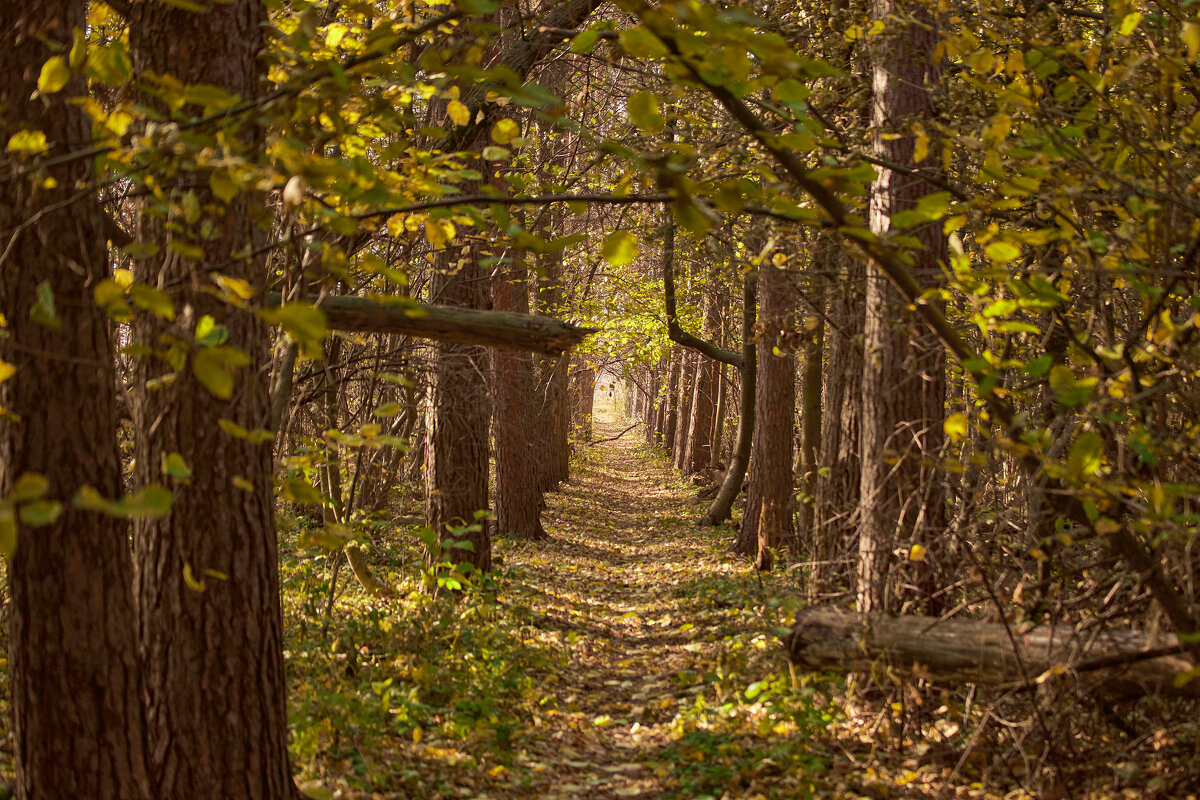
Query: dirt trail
{"x": 624, "y": 578}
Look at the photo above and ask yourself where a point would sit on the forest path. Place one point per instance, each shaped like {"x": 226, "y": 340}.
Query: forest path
{"x": 648, "y": 608}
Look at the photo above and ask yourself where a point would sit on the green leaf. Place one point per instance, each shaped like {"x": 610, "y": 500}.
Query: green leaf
{"x": 30, "y": 486}
{"x": 619, "y": 248}
{"x": 153, "y": 501}
{"x": 934, "y": 206}
{"x": 1086, "y": 457}
{"x": 477, "y": 6}
{"x": 583, "y": 42}
{"x": 301, "y": 491}
{"x": 1002, "y": 252}
{"x": 109, "y": 64}
{"x": 148, "y": 298}
{"x": 209, "y": 333}
{"x": 790, "y": 91}
{"x": 174, "y": 465}
{"x": 41, "y": 512}
{"x": 222, "y": 185}
{"x": 44, "y": 311}
{"x": 304, "y": 322}
{"x": 388, "y": 410}
{"x": 645, "y": 112}
{"x": 213, "y": 367}
{"x": 54, "y": 76}
{"x": 641, "y": 43}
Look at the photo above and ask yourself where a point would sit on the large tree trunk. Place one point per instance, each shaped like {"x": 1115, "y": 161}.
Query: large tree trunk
{"x": 767, "y": 520}
{"x": 904, "y": 369}
{"x": 456, "y": 448}
{"x": 1111, "y": 662}
{"x": 206, "y": 579}
{"x": 519, "y": 499}
{"x": 74, "y": 681}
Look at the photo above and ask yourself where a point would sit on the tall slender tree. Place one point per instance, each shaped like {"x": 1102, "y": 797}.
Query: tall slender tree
{"x": 903, "y": 384}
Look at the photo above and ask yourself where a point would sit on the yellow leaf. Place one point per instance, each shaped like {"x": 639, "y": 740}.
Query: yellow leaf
{"x": 1105, "y": 526}
{"x": 955, "y": 426}
{"x": 921, "y": 147}
{"x": 1191, "y": 39}
{"x": 916, "y": 553}
{"x": 27, "y": 141}
{"x": 190, "y": 579}
{"x": 7, "y": 370}
{"x": 459, "y": 113}
{"x": 505, "y": 131}
{"x": 54, "y": 76}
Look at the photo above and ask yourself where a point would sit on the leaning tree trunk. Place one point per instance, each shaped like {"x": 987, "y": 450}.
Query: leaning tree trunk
{"x": 767, "y": 520}
{"x": 74, "y": 681}
{"x": 519, "y": 499}
{"x": 206, "y": 580}
{"x": 904, "y": 369}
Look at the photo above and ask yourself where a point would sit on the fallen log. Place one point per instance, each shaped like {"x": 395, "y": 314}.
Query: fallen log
{"x": 1112, "y": 662}
{"x": 502, "y": 329}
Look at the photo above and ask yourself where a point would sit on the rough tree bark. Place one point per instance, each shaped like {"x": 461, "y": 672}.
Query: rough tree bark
{"x": 206, "y": 577}
{"x": 767, "y": 520}
{"x": 904, "y": 367}
{"x": 519, "y": 499}
{"x": 74, "y": 679}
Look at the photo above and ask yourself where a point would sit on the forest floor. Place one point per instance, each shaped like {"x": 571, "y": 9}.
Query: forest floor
{"x": 628, "y": 656}
{"x": 631, "y": 656}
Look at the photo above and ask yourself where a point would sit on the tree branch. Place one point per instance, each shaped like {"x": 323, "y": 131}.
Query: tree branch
{"x": 676, "y": 333}
{"x": 501, "y": 329}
